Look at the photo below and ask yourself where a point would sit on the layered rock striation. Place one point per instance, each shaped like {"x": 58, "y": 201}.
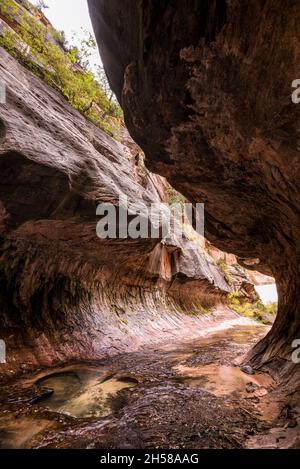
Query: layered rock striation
{"x": 206, "y": 91}
{"x": 65, "y": 293}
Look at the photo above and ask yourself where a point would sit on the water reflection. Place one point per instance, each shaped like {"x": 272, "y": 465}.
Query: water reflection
{"x": 84, "y": 393}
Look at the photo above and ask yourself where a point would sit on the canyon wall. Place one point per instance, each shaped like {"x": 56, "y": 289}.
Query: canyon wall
{"x": 65, "y": 293}
{"x": 206, "y": 91}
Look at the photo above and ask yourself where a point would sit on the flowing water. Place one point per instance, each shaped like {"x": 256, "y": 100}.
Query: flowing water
{"x": 222, "y": 380}
{"x": 189, "y": 394}
{"x": 84, "y": 392}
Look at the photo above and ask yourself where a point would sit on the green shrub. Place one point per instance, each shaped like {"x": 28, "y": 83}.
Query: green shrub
{"x": 225, "y": 269}
{"x": 256, "y": 309}
{"x": 233, "y": 298}
{"x": 7, "y": 41}
{"x": 57, "y": 67}
{"x": 174, "y": 197}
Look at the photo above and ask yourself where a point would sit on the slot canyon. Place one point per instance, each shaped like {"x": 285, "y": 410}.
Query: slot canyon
{"x": 143, "y": 342}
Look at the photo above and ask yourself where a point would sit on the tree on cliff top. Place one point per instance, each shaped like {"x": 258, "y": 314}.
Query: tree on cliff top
{"x": 41, "y": 5}
{"x": 65, "y": 69}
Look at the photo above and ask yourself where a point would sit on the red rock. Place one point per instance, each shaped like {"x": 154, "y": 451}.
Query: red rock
{"x": 66, "y": 294}
{"x": 206, "y": 91}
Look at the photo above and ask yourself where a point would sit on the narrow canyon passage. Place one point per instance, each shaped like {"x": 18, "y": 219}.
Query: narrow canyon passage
{"x": 184, "y": 394}
{"x": 144, "y": 205}
{"x": 206, "y": 91}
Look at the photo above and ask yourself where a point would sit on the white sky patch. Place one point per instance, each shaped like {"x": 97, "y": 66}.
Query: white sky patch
{"x": 267, "y": 293}
{"x": 71, "y": 16}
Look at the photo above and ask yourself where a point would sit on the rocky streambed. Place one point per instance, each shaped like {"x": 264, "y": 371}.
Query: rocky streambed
{"x": 180, "y": 394}
{"x": 125, "y": 343}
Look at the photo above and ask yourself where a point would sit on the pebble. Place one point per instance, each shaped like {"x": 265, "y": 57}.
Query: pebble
{"x": 250, "y": 387}
{"x": 247, "y": 369}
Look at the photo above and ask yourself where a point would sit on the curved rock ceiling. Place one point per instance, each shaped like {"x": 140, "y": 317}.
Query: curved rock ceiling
{"x": 65, "y": 293}
{"x": 206, "y": 90}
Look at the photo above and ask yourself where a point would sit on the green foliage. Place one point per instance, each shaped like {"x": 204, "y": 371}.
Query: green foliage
{"x": 60, "y": 37}
{"x": 271, "y": 308}
{"x": 233, "y": 297}
{"x": 174, "y": 196}
{"x": 256, "y": 310}
{"x": 67, "y": 72}
{"x": 225, "y": 269}
{"x": 8, "y": 9}
{"x": 87, "y": 47}
{"x": 41, "y": 5}
{"x": 7, "y": 41}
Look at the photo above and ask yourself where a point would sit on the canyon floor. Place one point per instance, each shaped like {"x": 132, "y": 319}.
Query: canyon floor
{"x": 125, "y": 338}
{"x": 180, "y": 394}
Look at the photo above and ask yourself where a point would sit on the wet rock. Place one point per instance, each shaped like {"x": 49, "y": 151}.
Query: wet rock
{"x": 247, "y": 369}
{"x": 29, "y": 396}
{"x": 156, "y": 412}
{"x": 250, "y": 387}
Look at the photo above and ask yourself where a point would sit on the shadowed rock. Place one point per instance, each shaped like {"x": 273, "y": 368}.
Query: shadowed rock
{"x": 206, "y": 91}
{"x": 66, "y": 293}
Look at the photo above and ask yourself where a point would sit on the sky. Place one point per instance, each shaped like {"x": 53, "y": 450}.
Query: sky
{"x": 70, "y": 16}
{"x": 267, "y": 293}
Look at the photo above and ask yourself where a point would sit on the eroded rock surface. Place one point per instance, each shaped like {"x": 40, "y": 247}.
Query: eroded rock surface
{"x": 66, "y": 294}
{"x": 206, "y": 91}
{"x": 176, "y": 395}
